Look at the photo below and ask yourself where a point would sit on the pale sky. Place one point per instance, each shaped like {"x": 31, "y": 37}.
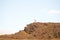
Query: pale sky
{"x": 16, "y": 14}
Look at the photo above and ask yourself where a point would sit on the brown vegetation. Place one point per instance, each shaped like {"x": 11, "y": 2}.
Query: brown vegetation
{"x": 36, "y": 31}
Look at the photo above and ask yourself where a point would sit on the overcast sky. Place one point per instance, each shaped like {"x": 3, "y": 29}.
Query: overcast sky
{"x": 15, "y": 14}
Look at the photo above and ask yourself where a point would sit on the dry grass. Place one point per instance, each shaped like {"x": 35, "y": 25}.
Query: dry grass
{"x": 28, "y": 39}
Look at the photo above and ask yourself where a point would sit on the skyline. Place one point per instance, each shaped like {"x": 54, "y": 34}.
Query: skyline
{"x": 16, "y": 14}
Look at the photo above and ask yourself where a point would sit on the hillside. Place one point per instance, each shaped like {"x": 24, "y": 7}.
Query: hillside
{"x": 36, "y": 31}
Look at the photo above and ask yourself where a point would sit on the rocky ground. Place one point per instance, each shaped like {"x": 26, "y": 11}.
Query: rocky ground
{"x": 36, "y": 31}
